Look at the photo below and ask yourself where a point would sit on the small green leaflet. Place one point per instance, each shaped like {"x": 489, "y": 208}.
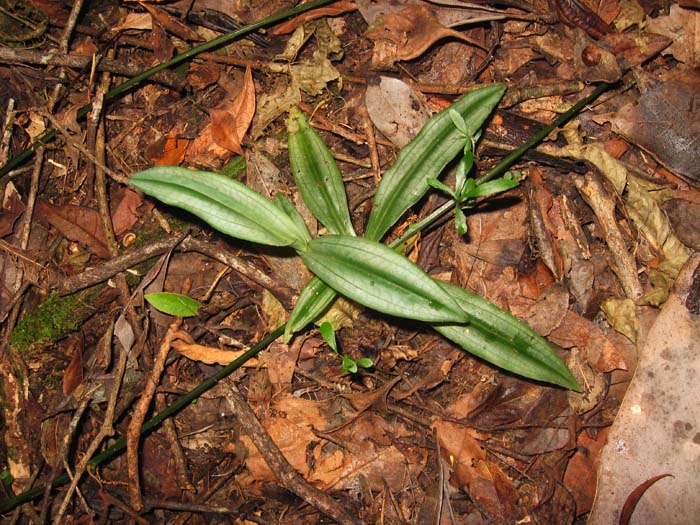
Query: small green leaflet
{"x": 173, "y": 304}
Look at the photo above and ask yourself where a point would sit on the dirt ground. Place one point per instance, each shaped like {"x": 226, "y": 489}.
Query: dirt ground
{"x": 587, "y": 249}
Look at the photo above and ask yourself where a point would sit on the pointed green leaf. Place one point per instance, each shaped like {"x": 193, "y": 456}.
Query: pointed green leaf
{"x": 500, "y": 338}
{"x": 328, "y": 334}
{"x": 173, "y": 304}
{"x": 317, "y": 176}
{"x": 490, "y": 188}
{"x": 284, "y": 204}
{"x": 227, "y": 205}
{"x": 376, "y": 276}
{"x": 426, "y": 156}
{"x": 312, "y": 302}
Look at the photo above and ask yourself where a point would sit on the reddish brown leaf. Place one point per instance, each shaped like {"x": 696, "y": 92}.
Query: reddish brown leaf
{"x": 202, "y": 75}
{"x": 334, "y": 9}
{"x": 172, "y": 152}
{"x": 582, "y": 470}
{"x": 76, "y": 223}
{"x": 74, "y": 373}
{"x": 124, "y": 214}
{"x": 408, "y": 34}
{"x": 171, "y": 24}
{"x": 635, "y": 496}
{"x": 231, "y": 121}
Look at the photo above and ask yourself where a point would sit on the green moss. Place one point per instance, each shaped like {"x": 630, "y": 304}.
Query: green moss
{"x": 53, "y": 319}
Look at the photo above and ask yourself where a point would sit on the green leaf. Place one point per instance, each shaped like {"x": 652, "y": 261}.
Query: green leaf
{"x": 425, "y": 157}
{"x": 312, "y": 302}
{"x": 173, "y": 304}
{"x": 500, "y": 338}
{"x": 328, "y": 335}
{"x": 441, "y": 186}
{"x": 284, "y": 204}
{"x": 349, "y": 365}
{"x": 458, "y": 122}
{"x": 225, "y": 204}
{"x": 460, "y": 221}
{"x": 490, "y": 188}
{"x": 374, "y": 275}
{"x": 365, "y": 362}
{"x": 317, "y": 176}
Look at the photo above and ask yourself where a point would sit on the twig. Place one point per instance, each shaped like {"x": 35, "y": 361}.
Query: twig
{"x": 67, "y": 439}
{"x": 82, "y": 149}
{"x": 139, "y": 416}
{"x": 7, "y": 129}
{"x": 10, "y": 55}
{"x": 290, "y": 478}
{"x": 371, "y": 141}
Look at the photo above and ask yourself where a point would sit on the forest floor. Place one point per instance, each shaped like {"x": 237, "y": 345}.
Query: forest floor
{"x": 594, "y": 249}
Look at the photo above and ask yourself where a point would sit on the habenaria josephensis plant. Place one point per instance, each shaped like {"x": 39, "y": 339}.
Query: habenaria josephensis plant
{"x": 363, "y": 268}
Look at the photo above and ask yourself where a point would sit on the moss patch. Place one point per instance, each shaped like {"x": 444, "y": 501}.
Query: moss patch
{"x": 53, "y": 319}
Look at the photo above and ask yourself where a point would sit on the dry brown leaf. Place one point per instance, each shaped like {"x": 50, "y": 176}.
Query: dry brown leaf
{"x": 582, "y": 470}
{"x": 334, "y": 9}
{"x": 231, "y": 122}
{"x": 171, "y": 153}
{"x": 135, "y": 21}
{"x": 171, "y": 24}
{"x": 74, "y": 374}
{"x": 408, "y": 34}
{"x": 209, "y": 355}
{"x": 682, "y": 26}
{"x": 76, "y": 223}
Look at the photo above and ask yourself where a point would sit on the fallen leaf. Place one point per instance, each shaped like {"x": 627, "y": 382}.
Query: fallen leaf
{"x": 203, "y": 75}
{"x": 230, "y": 122}
{"x": 682, "y": 26}
{"x": 73, "y": 375}
{"x": 635, "y": 496}
{"x": 334, "y": 9}
{"x": 209, "y": 355}
{"x": 666, "y": 122}
{"x": 170, "y": 151}
{"x": 582, "y": 470}
{"x": 124, "y": 216}
{"x": 171, "y": 24}
{"x": 76, "y": 223}
{"x": 136, "y": 21}
{"x": 408, "y": 34}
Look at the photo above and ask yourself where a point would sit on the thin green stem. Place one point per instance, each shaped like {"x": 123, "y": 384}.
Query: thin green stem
{"x": 181, "y": 402}
{"x": 502, "y": 166}
{"x": 121, "y": 88}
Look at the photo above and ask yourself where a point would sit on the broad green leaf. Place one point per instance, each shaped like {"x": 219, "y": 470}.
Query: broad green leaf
{"x": 312, "y": 302}
{"x": 374, "y": 275}
{"x": 438, "y": 142}
{"x": 500, "y": 338}
{"x": 173, "y": 304}
{"x": 227, "y": 205}
{"x": 365, "y": 362}
{"x": 317, "y": 176}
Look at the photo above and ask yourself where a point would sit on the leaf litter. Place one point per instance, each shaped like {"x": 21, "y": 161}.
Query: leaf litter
{"x": 591, "y": 259}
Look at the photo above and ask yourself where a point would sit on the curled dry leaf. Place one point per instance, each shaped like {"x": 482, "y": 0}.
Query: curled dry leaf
{"x": 229, "y": 122}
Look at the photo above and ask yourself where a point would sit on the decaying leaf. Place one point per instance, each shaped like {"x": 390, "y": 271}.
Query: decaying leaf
{"x": 209, "y": 355}
{"x": 395, "y": 109}
{"x": 76, "y": 223}
{"x": 408, "y": 34}
{"x": 666, "y": 121}
{"x": 334, "y": 9}
{"x": 682, "y": 26}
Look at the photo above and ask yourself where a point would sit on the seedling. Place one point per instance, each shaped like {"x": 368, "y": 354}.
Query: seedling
{"x": 349, "y": 365}
{"x": 362, "y": 268}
